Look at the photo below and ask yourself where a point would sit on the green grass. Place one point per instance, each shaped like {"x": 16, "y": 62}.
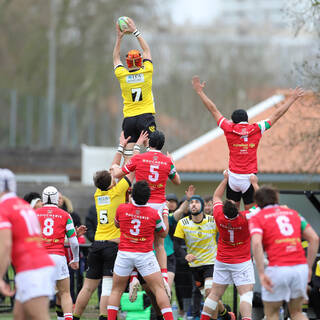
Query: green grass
{"x": 92, "y": 312}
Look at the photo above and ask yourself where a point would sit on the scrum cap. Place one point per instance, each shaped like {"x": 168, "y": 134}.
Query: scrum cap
{"x": 134, "y": 59}
{"x": 50, "y": 195}
{"x": 7, "y": 181}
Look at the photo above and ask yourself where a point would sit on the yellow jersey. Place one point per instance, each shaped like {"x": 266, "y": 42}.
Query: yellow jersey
{"x": 136, "y": 89}
{"x": 200, "y": 239}
{"x": 107, "y": 203}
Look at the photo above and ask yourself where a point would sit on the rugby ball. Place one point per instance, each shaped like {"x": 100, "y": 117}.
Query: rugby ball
{"x": 122, "y": 22}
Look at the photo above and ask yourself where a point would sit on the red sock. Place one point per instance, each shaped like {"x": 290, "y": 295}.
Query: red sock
{"x": 134, "y": 274}
{"x": 165, "y": 274}
{"x": 112, "y": 312}
{"x": 166, "y": 313}
{"x": 67, "y": 316}
{"x": 205, "y": 316}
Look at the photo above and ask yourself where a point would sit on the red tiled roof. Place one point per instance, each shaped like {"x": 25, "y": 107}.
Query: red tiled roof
{"x": 292, "y": 145}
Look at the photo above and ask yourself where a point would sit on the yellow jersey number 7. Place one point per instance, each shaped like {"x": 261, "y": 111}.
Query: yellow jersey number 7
{"x": 136, "y": 94}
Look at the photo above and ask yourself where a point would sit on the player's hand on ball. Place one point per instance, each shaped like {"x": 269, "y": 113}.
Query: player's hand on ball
{"x": 131, "y": 26}
{"x": 120, "y": 33}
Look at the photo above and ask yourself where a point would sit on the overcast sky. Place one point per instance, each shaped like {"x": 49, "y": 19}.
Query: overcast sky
{"x": 199, "y": 11}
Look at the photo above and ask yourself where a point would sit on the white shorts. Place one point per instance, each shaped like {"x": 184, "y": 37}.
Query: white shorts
{"x": 126, "y": 261}
{"x": 159, "y": 207}
{"x": 237, "y": 273}
{"x": 35, "y": 283}
{"x": 288, "y": 283}
{"x": 61, "y": 267}
{"x": 239, "y": 182}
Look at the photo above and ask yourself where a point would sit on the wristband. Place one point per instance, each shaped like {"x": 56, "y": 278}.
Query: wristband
{"x": 136, "y": 33}
{"x": 148, "y": 149}
{"x": 136, "y": 147}
{"x": 120, "y": 148}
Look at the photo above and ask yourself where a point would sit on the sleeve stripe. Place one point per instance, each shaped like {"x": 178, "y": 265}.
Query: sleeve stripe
{"x": 125, "y": 169}
{"x": 117, "y": 66}
{"x": 221, "y": 121}
{"x": 129, "y": 183}
{"x": 256, "y": 230}
{"x": 5, "y": 225}
{"x": 71, "y": 233}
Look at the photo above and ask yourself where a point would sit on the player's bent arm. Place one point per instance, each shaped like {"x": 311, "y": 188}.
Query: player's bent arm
{"x": 5, "y": 250}
{"x": 117, "y": 172}
{"x": 257, "y": 251}
{"x": 178, "y": 214}
{"x": 176, "y": 179}
{"x": 218, "y": 194}
{"x": 74, "y": 246}
{"x": 311, "y": 236}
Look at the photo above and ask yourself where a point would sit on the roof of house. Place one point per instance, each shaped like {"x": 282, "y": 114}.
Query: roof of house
{"x": 291, "y": 146}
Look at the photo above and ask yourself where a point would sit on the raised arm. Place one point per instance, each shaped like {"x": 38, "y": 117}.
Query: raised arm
{"x": 218, "y": 194}
{"x": 116, "y": 50}
{"x": 178, "y": 214}
{"x": 176, "y": 178}
{"x": 146, "y": 53}
{"x": 122, "y": 144}
{"x": 297, "y": 94}
{"x": 209, "y": 104}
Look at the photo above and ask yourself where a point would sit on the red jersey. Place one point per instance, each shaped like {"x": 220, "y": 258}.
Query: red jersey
{"x": 243, "y": 140}
{"x": 234, "y": 236}
{"x": 154, "y": 167}
{"x": 137, "y": 226}
{"x": 55, "y": 225}
{"x": 27, "y": 252}
{"x": 280, "y": 228}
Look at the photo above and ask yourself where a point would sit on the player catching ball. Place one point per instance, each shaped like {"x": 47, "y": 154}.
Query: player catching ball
{"x": 136, "y": 87}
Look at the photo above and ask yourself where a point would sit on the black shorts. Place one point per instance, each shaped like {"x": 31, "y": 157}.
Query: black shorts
{"x": 236, "y": 196}
{"x": 171, "y": 263}
{"x": 132, "y": 126}
{"x": 101, "y": 258}
{"x": 201, "y": 273}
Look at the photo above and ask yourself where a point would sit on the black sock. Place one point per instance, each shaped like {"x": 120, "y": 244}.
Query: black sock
{"x": 103, "y": 317}
{"x": 225, "y": 315}
{"x": 59, "y": 311}
{"x": 159, "y": 317}
{"x": 76, "y": 317}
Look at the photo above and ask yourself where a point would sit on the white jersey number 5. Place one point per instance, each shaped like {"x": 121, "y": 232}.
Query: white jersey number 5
{"x": 154, "y": 176}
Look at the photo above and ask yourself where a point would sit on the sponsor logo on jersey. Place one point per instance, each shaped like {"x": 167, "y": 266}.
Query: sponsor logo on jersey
{"x": 135, "y": 78}
{"x": 103, "y": 200}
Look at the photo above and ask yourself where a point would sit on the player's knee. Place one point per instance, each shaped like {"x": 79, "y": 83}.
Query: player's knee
{"x": 106, "y": 286}
{"x": 211, "y": 304}
{"x": 247, "y": 297}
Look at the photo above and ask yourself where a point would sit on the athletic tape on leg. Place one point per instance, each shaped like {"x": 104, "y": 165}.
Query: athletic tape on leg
{"x": 106, "y": 286}
{"x": 247, "y": 297}
{"x": 210, "y": 304}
